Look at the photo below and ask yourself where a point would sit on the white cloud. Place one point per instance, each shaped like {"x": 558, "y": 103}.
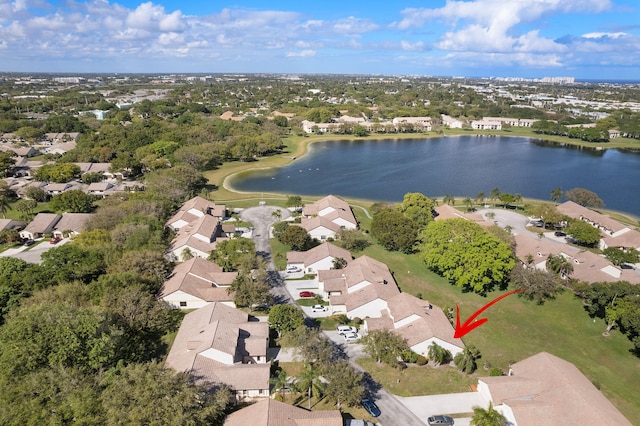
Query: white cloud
{"x": 149, "y": 17}
{"x": 407, "y": 46}
{"x": 353, "y": 25}
{"x": 301, "y": 54}
{"x": 605, "y": 35}
{"x": 493, "y": 25}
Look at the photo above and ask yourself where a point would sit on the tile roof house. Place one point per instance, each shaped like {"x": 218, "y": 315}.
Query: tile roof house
{"x": 545, "y": 389}
{"x": 218, "y": 344}
{"x": 42, "y": 224}
{"x": 270, "y": 412}
{"x": 361, "y": 289}
{"x": 614, "y": 233}
{"x": 194, "y": 209}
{"x": 587, "y": 266}
{"x": 196, "y": 283}
{"x": 324, "y": 218}
{"x": 445, "y": 211}
{"x": 318, "y": 258}
{"x": 198, "y": 236}
{"x": 71, "y": 224}
{"x": 11, "y": 224}
{"x": 418, "y": 322}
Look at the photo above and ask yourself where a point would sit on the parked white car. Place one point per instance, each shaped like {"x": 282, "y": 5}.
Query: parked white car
{"x": 352, "y": 337}
{"x": 292, "y": 268}
{"x": 346, "y": 329}
{"x": 318, "y": 308}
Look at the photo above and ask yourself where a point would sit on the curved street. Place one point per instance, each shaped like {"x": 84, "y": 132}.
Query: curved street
{"x": 393, "y": 411}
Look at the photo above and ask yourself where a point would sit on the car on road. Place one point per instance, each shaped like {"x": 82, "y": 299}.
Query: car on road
{"x": 318, "y": 308}
{"x": 371, "y": 407}
{"x": 440, "y": 420}
{"x": 28, "y": 243}
{"x": 346, "y": 329}
{"x": 54, "y": 240}
{"x": 560, "y": 234}
{"x": 352, "y": 337}
{"x": 307, "y": 294}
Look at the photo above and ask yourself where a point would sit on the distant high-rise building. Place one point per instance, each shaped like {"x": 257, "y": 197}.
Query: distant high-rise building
{"x": 558, "y": 80}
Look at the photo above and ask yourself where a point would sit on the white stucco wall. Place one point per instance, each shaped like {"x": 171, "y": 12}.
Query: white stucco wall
{"x": 219, "y": 356}
{"x": 321, "y": 233}
{"x": 422, "y": 348}
{"x": 176, "y": 297}
{"x": 372, "y": 309}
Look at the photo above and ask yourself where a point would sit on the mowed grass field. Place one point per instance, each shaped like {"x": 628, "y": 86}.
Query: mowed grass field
{"x": 518, "y": 328}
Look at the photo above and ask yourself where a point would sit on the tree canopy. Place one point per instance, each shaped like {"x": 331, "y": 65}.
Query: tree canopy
{"x": 394, "y": 231}
{"x": 463, "y": 252}
{"x": 584, "y": 197}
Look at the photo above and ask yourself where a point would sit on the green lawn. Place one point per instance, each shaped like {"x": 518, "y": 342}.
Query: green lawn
{"x": 418, "y": 380}
{"x": 518, "y": 328}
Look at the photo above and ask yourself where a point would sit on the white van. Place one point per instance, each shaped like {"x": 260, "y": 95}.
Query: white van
{"x": 346, "y": 329}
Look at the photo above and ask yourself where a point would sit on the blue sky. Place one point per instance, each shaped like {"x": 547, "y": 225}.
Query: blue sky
{"x": 597, "y": 39}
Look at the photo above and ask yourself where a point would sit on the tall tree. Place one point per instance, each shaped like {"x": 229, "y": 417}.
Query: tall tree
{"x": 308, "y": 380}
{"x": 296, "y": 237}
{"x": 285, "y": 318}
{"x": 344, "y": 384}
{"x": 535, "y": 284}
{"x": 466, "y": 254}
{"x": 439, "y": 355}
{"x": 384, "y": 346}
{"x": 556, "y": 194}
{"x": 583, "y": 233}
{"x": 560, "y": 265}
{"x": 417, "y": 207}
{"x": 394, "y": 231}
{"x": 584, "y": 197}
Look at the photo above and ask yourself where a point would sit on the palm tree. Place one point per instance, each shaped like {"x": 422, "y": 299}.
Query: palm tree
{"x": 495, "y": 195}
{"x": 277, "y": 214}
{"x": 560, "y": 265}
{"x": 466, "y": 360}
{"x": 488, "y": 417}
{"x": 468, "y": 202}
{"x": 438, "y": 354}
{"x": 556, "y": 194}
{"x": 309, "y": 381}
{"x": 480, "y": 198}
{"x": 517, "y": 198}
{"x": 279, "y": 382}
{"x": 449, "y": 199}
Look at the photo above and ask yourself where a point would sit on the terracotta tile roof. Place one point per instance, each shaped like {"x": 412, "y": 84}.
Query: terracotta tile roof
{"x": 330, "y": 205}
{"x": 318, "y": 253}
{"x": 446, "y": 211}
{"x": 42, "y": 222}
{"x": 628, "y": 240}
{"x": 75, "y": 222}
{"x": 431, "y": 321}
{"x": 270, "y": 412}
{"x": 309, "y": 224}
{"x": 576, "y": 211}
{"x": 212, "y": 342}
{"x": 362, "y": 281}
{"x": 544, "y": 383}
{"x": 200, "y": 278}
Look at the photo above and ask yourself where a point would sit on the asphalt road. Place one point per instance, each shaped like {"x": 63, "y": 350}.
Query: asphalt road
{"x": 33, "y": 253}
{"x": 261, "y": 217}
{"x": 393, "y": 412}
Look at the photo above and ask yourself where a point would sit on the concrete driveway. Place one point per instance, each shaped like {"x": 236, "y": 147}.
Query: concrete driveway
{"x": 32, "y": 254}
{"x": 454, "y": 403}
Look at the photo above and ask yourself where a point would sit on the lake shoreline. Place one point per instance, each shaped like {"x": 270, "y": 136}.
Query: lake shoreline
{"x": 299, "y": 147}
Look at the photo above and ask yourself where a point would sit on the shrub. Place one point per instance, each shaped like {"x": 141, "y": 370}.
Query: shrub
{"x": 409, "y": 356}
{"x": 495, "y": 371}
{"x": 421, "y": 360}
{"x": 357, "y": 320}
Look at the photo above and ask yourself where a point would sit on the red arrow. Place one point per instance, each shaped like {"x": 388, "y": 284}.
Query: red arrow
{"x": 468, "y": 325}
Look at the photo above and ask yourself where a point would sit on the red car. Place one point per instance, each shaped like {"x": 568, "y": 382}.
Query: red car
{"x": 307, "y": 294}
{"x": 54, "y": 240}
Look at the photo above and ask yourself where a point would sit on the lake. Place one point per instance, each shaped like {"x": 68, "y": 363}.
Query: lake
{"x": 462, "y": 166}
